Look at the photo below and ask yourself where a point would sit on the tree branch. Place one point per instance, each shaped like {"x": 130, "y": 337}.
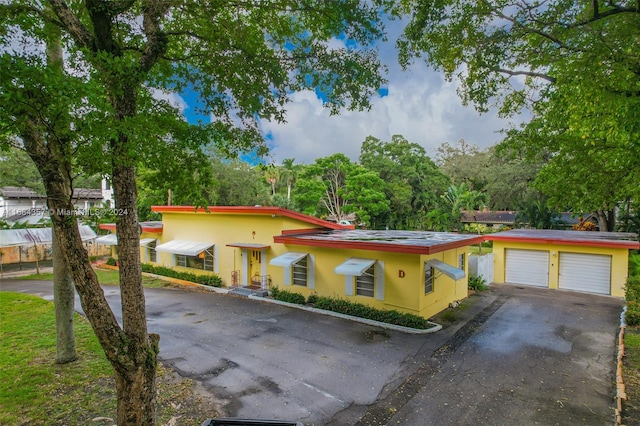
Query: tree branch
{"x": 17, "y": 9}
{"x": 598, "y": 16}
{"x": 72, "y": 23}
{"x": 541, "y": 33}
{"x": 156, "y": 38}
{"x": 118, "y": 7}
{"x": 527, "y": 73}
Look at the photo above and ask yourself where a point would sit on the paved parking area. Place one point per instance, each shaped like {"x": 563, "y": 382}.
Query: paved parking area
{"x": 544, "y": 357}
{"x": 531, "y": 356}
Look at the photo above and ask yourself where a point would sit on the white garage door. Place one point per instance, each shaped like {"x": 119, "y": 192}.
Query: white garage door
{"x": 529, "y": 267}
{"x": 585, "y": 272}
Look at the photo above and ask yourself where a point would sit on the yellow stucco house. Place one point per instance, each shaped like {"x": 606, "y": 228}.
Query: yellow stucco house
{"x": 410, "y": 271}
{"x": 593, "y": 262}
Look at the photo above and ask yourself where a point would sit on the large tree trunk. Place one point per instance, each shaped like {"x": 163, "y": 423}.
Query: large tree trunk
{"x": 63, "y": 298}
{"x": 131, "y": 352}
{"x": 136, "y": 390}
{"x": 606, "y": 220}
{"x": 136, "y": 383}
{"x": 63, "y": 289}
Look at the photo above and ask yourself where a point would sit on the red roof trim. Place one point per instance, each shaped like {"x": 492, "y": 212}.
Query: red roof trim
{"x": 385, "y": 247}
{"x": 263, "y": 210}
{"x": 301, "y": 231}
{"x": 589, "y": 243}
{"x": 150, "y": 229}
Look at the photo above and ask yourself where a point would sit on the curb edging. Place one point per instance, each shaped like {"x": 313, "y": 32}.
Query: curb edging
{"x": 435, "y": 328}
{"x": 621, "y": 393}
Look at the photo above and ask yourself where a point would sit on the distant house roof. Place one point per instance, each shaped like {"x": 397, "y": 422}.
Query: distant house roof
{"x": 581, "y": 238}
{"x": 30, "y": 236}
{"x": 490, "y": 217}
{"x": 255, "y": 210}
{"x": 509, "y": 217}
{"x": 87, "y": 194}
{"x": 416, "y": 242}
{"x": 18, "y": 192}
{"x": 26, "y": 193}
{"x": 569, "y": 218}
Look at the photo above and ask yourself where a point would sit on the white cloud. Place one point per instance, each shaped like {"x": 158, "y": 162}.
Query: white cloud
{"x": 420, "y": 106}
{"x": 174, "y": 99}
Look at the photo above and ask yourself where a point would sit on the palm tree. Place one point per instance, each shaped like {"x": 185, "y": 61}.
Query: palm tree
{"x": 271, "y": 176}
{"x": 537, "y": 214}
{"x": 288, "y": 174}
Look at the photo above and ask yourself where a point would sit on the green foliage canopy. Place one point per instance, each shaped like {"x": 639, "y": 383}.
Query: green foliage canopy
{"x": 575, "y": 64}
{"x": 335, "y": 186}
{"x": 412, "y": 182}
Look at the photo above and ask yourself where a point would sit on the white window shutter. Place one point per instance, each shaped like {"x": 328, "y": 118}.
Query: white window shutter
{"x": 216, "y": 260}
{"x": 311, "y": 271}
{"x": 287, "y": 276}
{"x": 348, "y": 285}
{"x": 379, "y": 281}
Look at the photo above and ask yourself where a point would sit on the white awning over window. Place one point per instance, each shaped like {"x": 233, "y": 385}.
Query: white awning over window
{"x": 186, "y": 248}
{"x": 354, "y": 266}
{"x": 108, "y": 240}
{"x": 450, "y": 271}
{"x": 287, "y": 259}
{"x": 146, "y": 242}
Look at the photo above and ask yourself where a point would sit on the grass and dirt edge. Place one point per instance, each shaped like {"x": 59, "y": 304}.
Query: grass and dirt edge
{"x": 35, "y": 390}
{"x": 628, "y": 368}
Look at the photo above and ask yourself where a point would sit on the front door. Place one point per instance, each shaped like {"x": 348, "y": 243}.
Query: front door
{"x": 255, "y": 266}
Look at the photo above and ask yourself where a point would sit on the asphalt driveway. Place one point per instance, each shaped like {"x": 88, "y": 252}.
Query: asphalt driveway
{"x": 514, "y": 355}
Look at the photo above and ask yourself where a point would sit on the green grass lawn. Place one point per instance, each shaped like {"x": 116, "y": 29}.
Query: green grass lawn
{"x": 631, "y": 375}
{"x": 32, "y": 387}
{"x": 36, "y": 391}
{"x": 105, "y": 277}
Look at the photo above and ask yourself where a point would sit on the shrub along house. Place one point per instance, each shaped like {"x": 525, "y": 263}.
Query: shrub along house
{"x": 593, "y": 262}
{"x": 410, "y": 271}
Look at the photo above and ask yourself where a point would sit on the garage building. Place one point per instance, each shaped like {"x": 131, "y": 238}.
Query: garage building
{"x": 592, "y": 262}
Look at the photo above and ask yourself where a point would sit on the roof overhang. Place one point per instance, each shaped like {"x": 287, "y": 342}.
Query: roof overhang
{"x": 108, "y": 240}
{"x": 186, "y": 248}
{"x": 354, "y": 266}
{"x": 252, "y": 246}
{"x": 151, "y": 227}
{"x": 287, "y": 259}
{"x": 145, "y": 242}
{"x": 30, "y": 236}
{"x": 574, "y": 238}
{"x": 450, "y": 271}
